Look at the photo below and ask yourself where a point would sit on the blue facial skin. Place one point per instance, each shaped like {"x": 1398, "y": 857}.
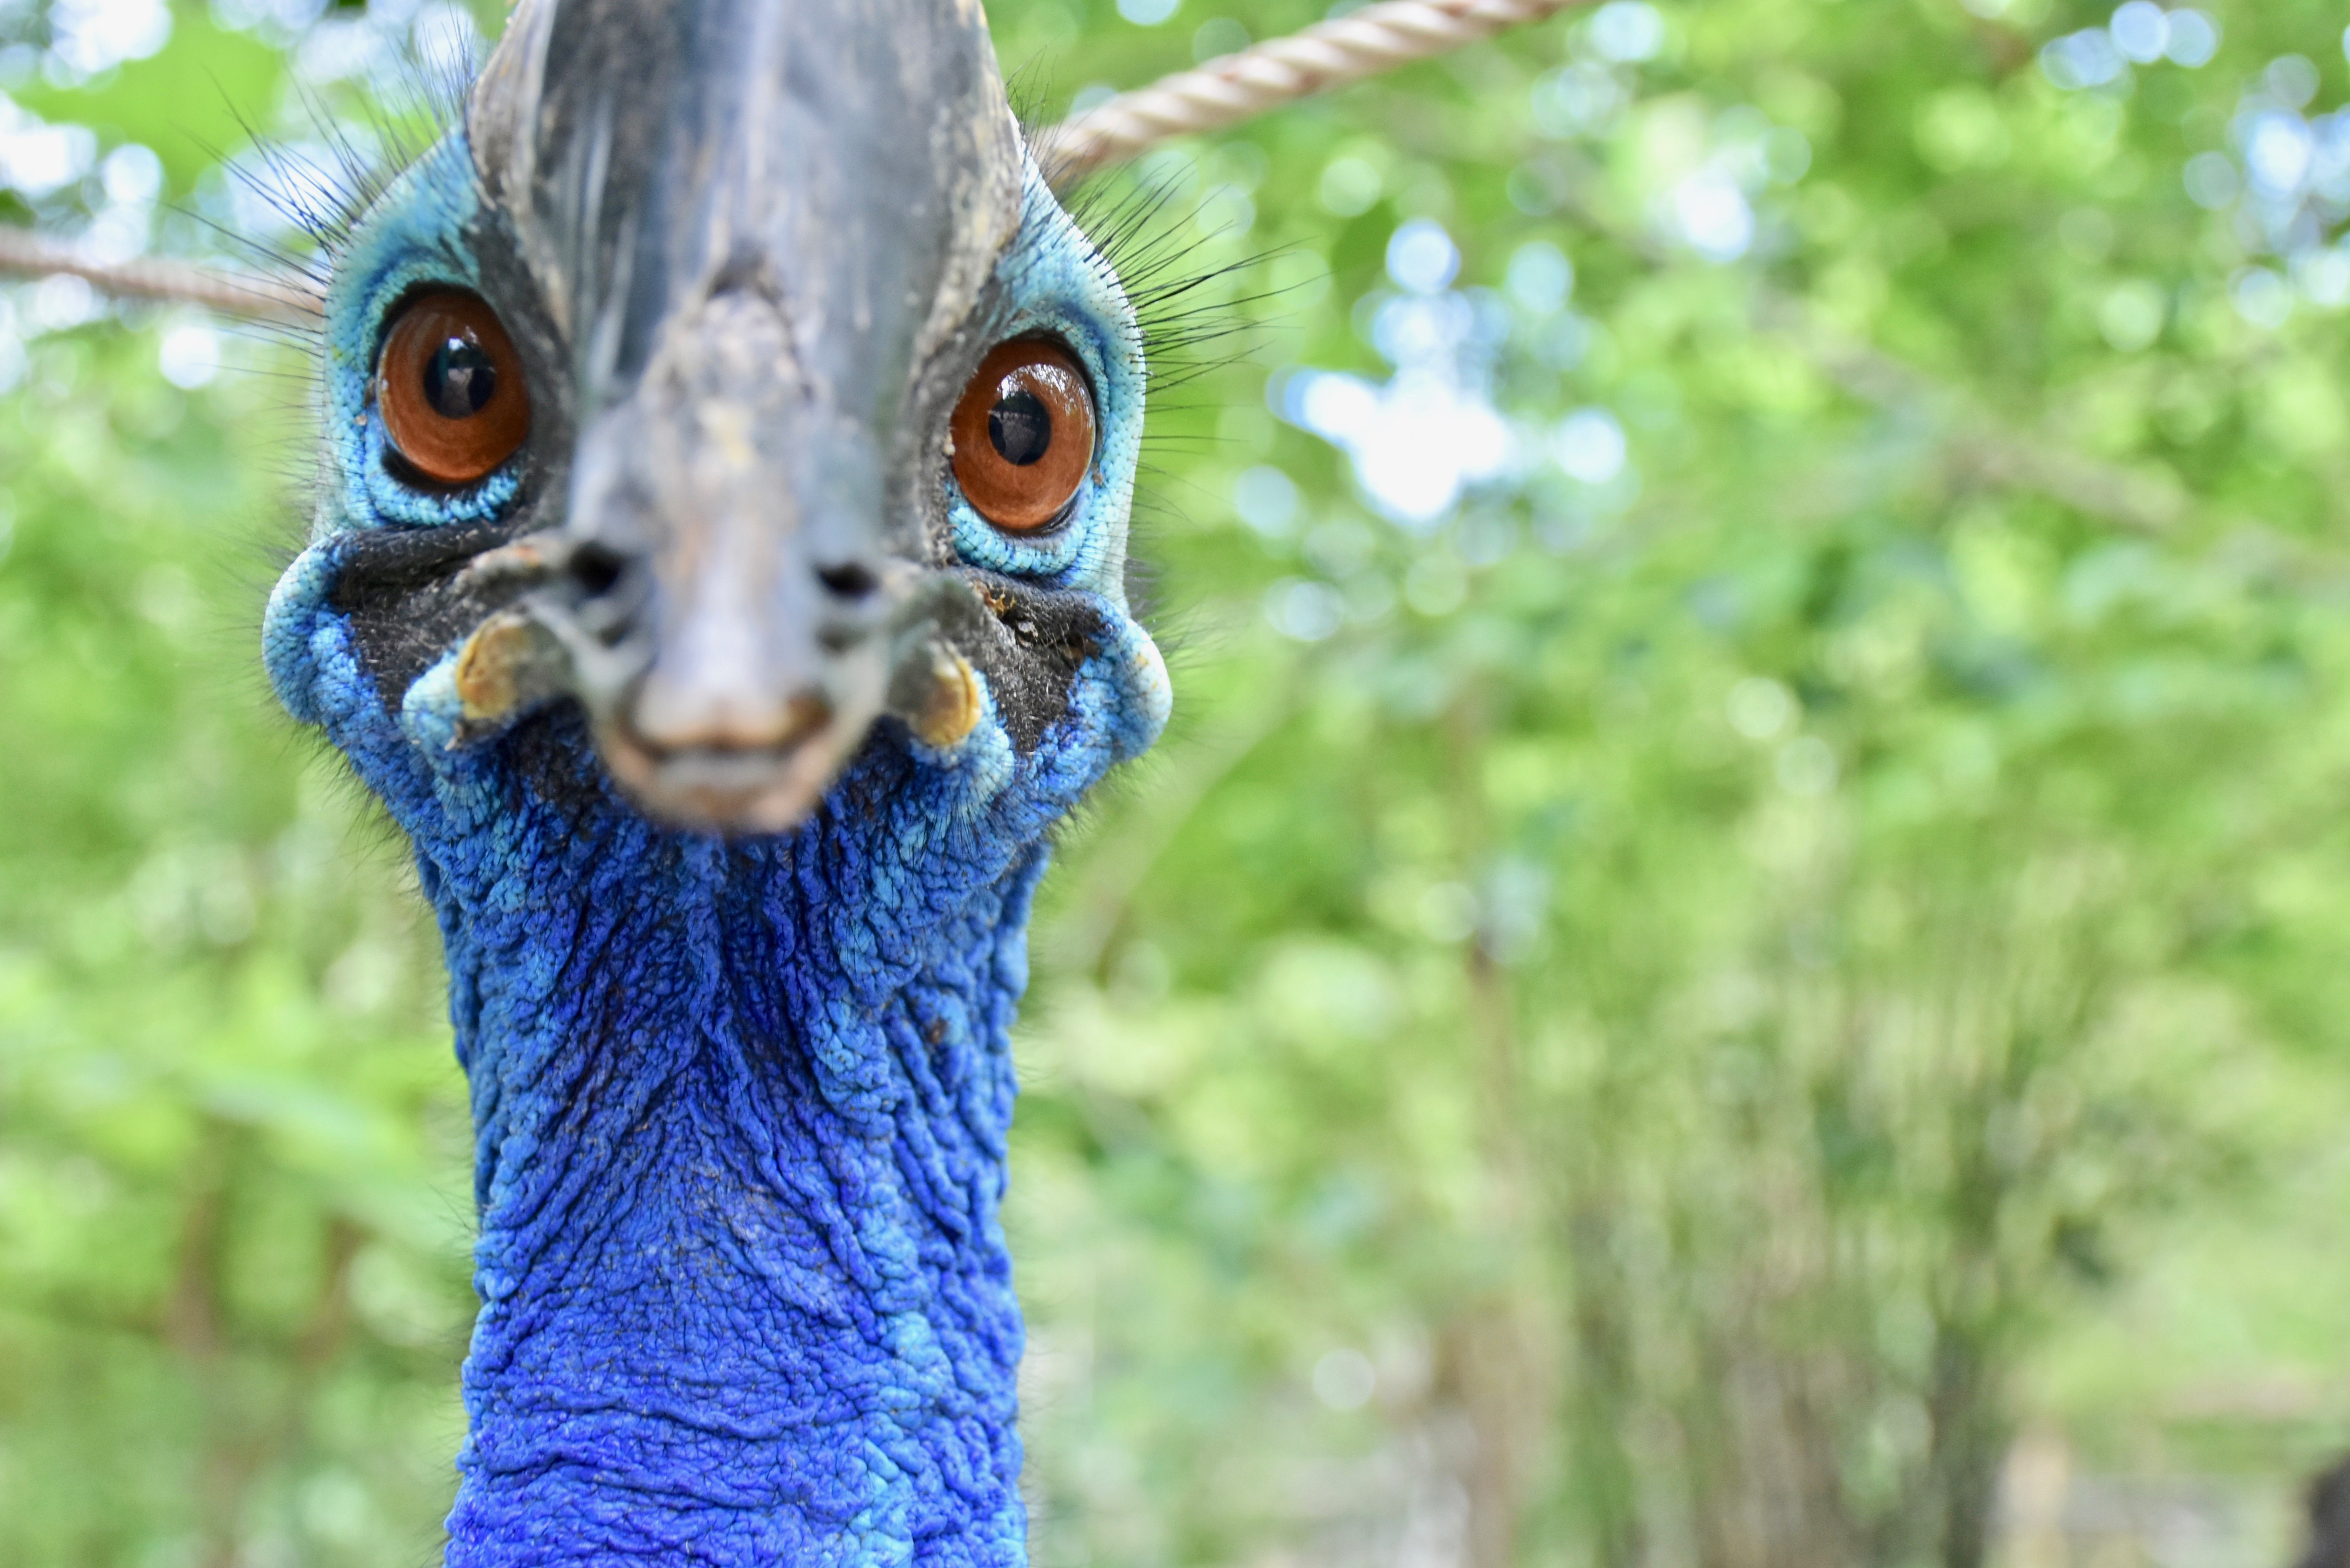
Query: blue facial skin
{"x": 741, "y": 1104}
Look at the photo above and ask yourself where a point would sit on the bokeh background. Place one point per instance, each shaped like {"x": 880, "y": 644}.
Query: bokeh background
{"x": 1741, "y": 956}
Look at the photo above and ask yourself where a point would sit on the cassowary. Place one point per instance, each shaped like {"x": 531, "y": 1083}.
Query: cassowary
{"x": 717, "y": 571}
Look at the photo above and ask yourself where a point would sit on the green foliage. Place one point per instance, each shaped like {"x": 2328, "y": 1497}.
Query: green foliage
{"x": 189, "y": 104}
{"x": 1662, "y": 1009}
{"x": 1716, "y": 986}
{"x": 233, "y": 1200}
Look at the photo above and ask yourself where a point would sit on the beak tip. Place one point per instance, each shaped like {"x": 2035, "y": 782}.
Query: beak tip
{"x": 665, "y": 722}
{"x": 741, "y": 777}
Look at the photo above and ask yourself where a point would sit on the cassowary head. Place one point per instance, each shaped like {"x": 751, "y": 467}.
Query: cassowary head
{"x": 728, "y": 376}
{"x": 717, "y": 571}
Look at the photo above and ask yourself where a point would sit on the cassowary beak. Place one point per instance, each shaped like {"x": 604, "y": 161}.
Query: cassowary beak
{"x": 757, "y": 226}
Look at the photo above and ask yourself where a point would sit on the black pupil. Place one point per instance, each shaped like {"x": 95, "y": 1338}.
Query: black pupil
{"x": 1019, "y": 428}
{"x": 459, "y": 379}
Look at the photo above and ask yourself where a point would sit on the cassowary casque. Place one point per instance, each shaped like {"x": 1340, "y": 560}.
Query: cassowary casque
{"x": 717, "y": 571}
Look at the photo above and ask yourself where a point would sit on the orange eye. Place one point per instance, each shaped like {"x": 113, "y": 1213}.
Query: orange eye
{"x": 450, "y": 387}
{"x": 1023, "y": 434}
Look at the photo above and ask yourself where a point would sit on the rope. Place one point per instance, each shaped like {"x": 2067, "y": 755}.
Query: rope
{"x": 1220, "y": 94}
{"x": 1235, "y": 88}
{"x": 28, "y": 254}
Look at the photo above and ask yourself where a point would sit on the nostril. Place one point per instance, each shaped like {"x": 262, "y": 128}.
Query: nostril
{"x": 849, "y": 580}
{"x": 597, "y": 569}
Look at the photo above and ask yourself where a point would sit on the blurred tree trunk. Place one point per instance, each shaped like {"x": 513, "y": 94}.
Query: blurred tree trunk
{"x": 254, "y": 1411}
{"x": 196, "y": 1327}
{"x": 1600, "y": 1412}
{"x": 1502, "y": 1362}
{"x": 1969, "y": 1439}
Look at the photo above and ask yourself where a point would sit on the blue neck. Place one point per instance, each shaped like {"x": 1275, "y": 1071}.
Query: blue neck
{"x": 741, "y": 1112}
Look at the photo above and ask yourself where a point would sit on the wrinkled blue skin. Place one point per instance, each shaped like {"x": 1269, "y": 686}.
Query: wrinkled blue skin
{"x": 740, "y": 1106}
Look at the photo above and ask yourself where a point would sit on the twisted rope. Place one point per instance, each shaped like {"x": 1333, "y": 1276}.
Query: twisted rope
{"x": 1235, "y": 88}
{"x": 27, "y": 254}
{"x": 1219, "y": 94}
